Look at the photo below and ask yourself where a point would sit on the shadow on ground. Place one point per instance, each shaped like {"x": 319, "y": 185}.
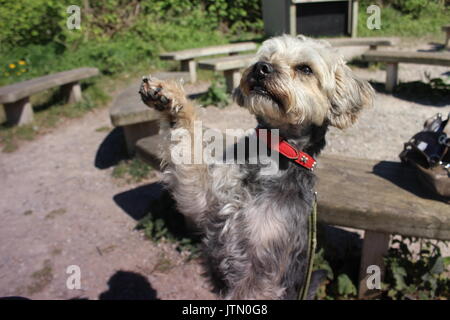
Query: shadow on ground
{"x": 417, "y": 92}
{"x": 435, "y": 47}
{"x": 137, "y": 202}
{"x": 127, "y": 285}
{"x": 112, "y": 150}
{"x": 123, "y": 285}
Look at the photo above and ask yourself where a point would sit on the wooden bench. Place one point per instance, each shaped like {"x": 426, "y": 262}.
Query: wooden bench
{"x": 230, "y": 66}
{"x": 446, "y": 29}
{"x": 187, "y": 56}
{"x": 382, "y": 198}
{"x": 16, "y": 97}
{"x": 373, "y": 43}
{"x": 393, "y": 58}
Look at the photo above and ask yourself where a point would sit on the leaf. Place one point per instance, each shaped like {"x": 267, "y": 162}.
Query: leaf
{"x": 345, "y": 285}
{"x": 446, "y": 261}
{"x": 438, "y": 267}
{"x": 399, "y": 274}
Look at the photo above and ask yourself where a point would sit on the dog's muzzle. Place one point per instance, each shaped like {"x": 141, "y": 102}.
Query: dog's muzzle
{"x": 262, "y": 69}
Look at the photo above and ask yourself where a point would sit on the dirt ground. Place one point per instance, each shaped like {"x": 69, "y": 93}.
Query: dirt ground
{"x": 59, "y": 205}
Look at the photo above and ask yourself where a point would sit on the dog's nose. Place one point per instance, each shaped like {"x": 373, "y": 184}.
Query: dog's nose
{"x": 263, "y": 69}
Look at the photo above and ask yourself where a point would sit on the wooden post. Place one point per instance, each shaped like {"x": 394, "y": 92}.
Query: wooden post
{"x": 19, "y": 112}
{"x": 391, "y": 76}
{"x": 232, "y": 79}
{"x": 354, "y": 18}
{"x": 72, "y": 92}
{"x": 447, "y": 40}
{"x": 375, "y": 247}
{"x": 293, "y": 19}
{"x": 190, "y": 65}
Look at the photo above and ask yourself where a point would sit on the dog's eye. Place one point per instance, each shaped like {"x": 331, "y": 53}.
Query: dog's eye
{"x": 303, "y": 68}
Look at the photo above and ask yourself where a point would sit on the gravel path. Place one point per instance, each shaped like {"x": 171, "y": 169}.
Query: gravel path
{"x": 60, "y": 207}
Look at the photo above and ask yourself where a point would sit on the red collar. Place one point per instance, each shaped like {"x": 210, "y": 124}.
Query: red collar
{"x": 287, "y": 150}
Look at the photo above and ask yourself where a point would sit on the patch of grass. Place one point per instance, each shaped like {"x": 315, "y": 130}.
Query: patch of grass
{"x": 165, "y": 224}
{"x": 428, "y": 21}
{"x": 216, "y": 94}
{"x": 41, "y": 278}
{"x": 163, "y": 264}
{"x": 55, "y": 213}
{"x": 106, "y": 250}
{"x": 131, "y": 171}
{"x": 103, "y": 129}
{"x": 56, "y": 251}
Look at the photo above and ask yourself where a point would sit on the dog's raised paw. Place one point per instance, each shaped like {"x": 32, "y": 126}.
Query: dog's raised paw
{"x": 159, "y": 95}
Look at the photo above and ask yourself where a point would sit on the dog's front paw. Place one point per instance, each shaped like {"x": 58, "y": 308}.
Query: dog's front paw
{"x": 163, "y": 96}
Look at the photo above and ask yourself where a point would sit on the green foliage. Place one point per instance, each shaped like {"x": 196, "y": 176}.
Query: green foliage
{"x": 216, "y": 95}
{"x": 115, "y": 35}
{"x": 131, "y": 171}
{"x": 237, "y": 15}
{"x": 165, "y": 224}
{"x": 30, "y": 21}
{"x": 408, "y": 275}
{"x": 320, "y": 263}
{"x": 345, "y": 286}
{"x": 416, "y": 277}
{"x": 412, "y": 7}
{"x": 408, "y": 18}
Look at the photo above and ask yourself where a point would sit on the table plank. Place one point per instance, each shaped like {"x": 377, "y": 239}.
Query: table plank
{"x": 227, "y": 63}
{"x": 17, "y": 91}
{"x": 379, "y": 196}
{"x": 208, "y": 51}
{"x": 433, "y": 58}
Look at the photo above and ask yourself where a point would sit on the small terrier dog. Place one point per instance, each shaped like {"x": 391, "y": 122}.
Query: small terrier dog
{"x": 255, "y": 226}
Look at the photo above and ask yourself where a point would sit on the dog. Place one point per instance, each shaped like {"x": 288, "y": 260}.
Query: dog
{"x": 255, "y": 226}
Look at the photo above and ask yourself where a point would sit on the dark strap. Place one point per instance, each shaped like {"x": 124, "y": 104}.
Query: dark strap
{"x": 312, "y": 233}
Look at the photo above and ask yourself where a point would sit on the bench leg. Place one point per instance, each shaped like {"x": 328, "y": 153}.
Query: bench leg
{"x": 391, "y": 76}
{"x": 375, "y": 247}
{"x": 191, "y": 67}
{"x": 373, "y": 47}
{"x": 354, "y": 17}
{"x": 19, "y": 112}
{"x": 232, "y": 79}
{"x": 138, "y": 131}
{"x": 72, "y": 92}
{"x": 447, "y": 41}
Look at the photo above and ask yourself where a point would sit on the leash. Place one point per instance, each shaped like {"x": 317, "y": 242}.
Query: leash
{"x": 305, "y": 160}
{"x": 312, "y": 236}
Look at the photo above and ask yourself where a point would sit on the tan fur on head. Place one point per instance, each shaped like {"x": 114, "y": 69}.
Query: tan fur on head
{"x": 293, "y": 95}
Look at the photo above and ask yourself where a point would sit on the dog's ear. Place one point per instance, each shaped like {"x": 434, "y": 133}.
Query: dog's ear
{"x": 348, "y": 98}
{"x": 238, "y": 97}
